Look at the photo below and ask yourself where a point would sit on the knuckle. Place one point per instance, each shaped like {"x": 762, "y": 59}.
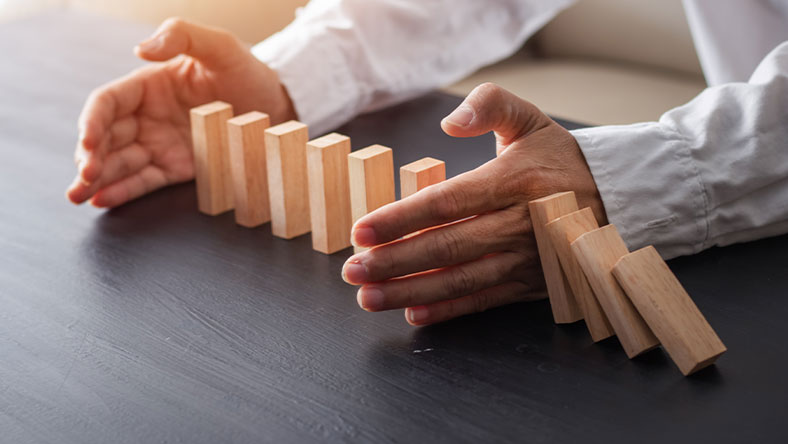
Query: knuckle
{"x": 447, "y": 202}
{"x": 489, "y": 90}
{"x": 481, "y": 301}
{"x": 173, "y": 23}
{"x": 443, "y": 247}
{"x": 460, "y": 281}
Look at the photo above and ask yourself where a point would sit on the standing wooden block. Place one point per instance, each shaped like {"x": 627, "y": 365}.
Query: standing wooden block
{"x": 246, "y": 134}
{"x": 371, "y": 180}
{"x": 212, "y": 157}
{"x": 668, "y": 310}
{"x": 563, "y": 231}
{"x": 420, "y": 174}
{"x": 565, "y": 306}
{"x": 285, "y": 149}
{"x": 329, "y": 192}
{"x": 596, "y": 252}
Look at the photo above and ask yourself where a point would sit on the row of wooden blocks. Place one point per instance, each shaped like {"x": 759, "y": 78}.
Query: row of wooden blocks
{"x": 591, "y": 275}
{"x": 274, "y": 173}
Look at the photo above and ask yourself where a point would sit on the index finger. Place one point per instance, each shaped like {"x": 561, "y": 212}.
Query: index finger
{"x": 468, "y": 194}
{"x": 106, "y": 104}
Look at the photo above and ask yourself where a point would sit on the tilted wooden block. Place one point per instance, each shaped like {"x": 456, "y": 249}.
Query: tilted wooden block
{"x": 246, "y": 134}
{"x": 563, "y": 231}
{"x": 596, "y": 252}
{"x": 420, "y": 174}
{"x": 565, "y": 306}
{"x": 285, "y": 148}
{"x": 212, "y": 157}
{"x": 371, "y": 180}
{"x": 668, "y": 310}
{"x": 329, "y": 192}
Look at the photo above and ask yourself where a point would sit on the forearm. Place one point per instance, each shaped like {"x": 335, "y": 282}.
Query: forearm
{"x": 711, "y": 172}
{"x": 343, "y": 57}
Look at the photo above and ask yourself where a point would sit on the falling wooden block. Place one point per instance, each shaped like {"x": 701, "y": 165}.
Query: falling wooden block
{"x": 371, "y": 180}
{"x": 285, "y": 148}
{"x": 420, "y": 174}
{"x": 668, "y": 310}
{"x": 246, "y": 134}
{"x": 329, "y": 192}
{"x": 596, "y": 252}
{"x": 212, "y": 157}
{"x": 566, "y": 308}
{"x": 563, "y": 231}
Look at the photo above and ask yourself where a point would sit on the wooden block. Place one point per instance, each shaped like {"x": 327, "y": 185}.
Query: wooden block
{"x": 563, "y": 231}
{"x": 246, "y": 134}
{"x": 565, "y": 306}
{"x": 668, "y": 310}
{"x": 420, "y": 174}
{"x": 596, "y": 252}
{"x": 212, "y": 157}
{"x": 288, "y": 190}
{"x": 329, "y": 192}
{"x": 371, "y": 173}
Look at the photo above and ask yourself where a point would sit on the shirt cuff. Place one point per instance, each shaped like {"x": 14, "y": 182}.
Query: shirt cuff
{"x": 315, "y": 74}
{"x": 650, "y": 186}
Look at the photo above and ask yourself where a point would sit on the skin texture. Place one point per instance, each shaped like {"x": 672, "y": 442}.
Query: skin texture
{"x": 479, "y": 251}
{"x": 134, "y": 132}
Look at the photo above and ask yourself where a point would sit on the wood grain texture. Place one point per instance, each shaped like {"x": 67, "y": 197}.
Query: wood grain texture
{"x": 285, "y": 148}
{"x": 668, "y": 310}
{"x": 371, "y": 172}
{"x": 563, "y": 231}
{"x": 152, "y": 323}
{"x": 565, "y": 305}
{"x": 420, "y": 174}
{"x": 596, "y": 252}
{"x": 329, "y": 192}
{"x": 212, "y": 157}
{"x": 246, "y": 134}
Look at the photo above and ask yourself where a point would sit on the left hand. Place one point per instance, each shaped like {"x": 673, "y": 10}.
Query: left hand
{"x": 480, "y": 252}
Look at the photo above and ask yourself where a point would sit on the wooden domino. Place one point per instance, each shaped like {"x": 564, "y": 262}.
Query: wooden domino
{"x": 563, "y": 231}
{"x": 329, "y": 192}
{"x": 371, "y": 173}
{"x": 246, "y": 134}
{"x": 212, "y": 157}
{"x": 668, "y": 310}
{"x": 596, "y": 252}
{"x": 287, "y": 179}
{"x": 420, "y": 174}
{"x": 566, "y": 308}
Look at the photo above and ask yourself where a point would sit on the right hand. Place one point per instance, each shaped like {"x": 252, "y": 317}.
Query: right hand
{"x": 134, "y": 131}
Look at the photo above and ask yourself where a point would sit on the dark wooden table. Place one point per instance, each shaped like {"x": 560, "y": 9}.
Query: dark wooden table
{"x": 153, "y": 323}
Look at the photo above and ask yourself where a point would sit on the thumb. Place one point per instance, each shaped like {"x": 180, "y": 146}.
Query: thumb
{"x": 213, "y": 47}
{"x": 491, "y": 108}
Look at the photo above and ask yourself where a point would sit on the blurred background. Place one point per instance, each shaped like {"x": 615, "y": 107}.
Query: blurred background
{"x": 598, "y": 62}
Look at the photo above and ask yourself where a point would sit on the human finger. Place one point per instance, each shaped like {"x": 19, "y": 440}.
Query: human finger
{"x": 441, "y": 284}
{"x": 442, "y": 246}
{"x": 478, "y": 302}
{"x": 148, "y": 179}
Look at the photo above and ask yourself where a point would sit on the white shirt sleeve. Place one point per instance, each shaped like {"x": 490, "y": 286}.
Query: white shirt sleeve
{"x": 342, "y": 57}
{"x": 711, "y": 172}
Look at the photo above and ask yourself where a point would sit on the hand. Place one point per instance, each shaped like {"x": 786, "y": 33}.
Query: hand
{"x": 481, "y": 251}
{"x": 134, "y": 131}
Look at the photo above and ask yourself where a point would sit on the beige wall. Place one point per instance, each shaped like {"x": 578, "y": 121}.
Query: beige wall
{"x": 252, "y": 20}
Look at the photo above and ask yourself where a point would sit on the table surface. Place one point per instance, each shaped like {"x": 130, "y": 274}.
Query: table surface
{"x": 154, "y": 323}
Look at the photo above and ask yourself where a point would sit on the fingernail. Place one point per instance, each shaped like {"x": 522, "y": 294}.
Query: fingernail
{"x": 461, "y": 116}
{"x": 152, "y": 44}
{"x": 363, "y": 237}
{"x": 417, "y": 314}
{"x": 354, "y": 272}
{"x": 370, "y": 298}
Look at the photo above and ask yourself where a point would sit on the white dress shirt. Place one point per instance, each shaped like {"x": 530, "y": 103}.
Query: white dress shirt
{"x": 711, "y": 172}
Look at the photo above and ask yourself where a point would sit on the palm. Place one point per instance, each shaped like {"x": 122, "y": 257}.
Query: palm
{"x": 150, "y": 143}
